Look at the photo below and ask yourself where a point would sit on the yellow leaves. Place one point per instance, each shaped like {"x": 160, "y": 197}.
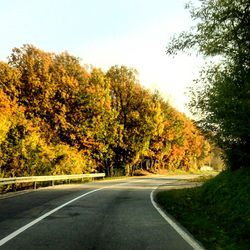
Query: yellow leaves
{"x": 6, "y": 105}
{"x": 135, "y": 115}
{"x": 72, "y": 137}
{"x": 7, "y": 109}
{"x": 70, "y": 160}
{"x": 5, "y": 125}
{"x": 9, "y": 80}
{"x": 72, "y": 120}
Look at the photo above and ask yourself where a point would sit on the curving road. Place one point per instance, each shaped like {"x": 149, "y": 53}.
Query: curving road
{"x": 100, "y": 215}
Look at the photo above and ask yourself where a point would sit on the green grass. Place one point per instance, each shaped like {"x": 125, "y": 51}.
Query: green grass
{"x": 217, "y": 213}
{"x": 202, "y": 178}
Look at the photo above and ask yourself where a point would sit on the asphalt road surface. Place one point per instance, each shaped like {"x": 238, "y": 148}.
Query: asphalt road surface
{"x": 100, "y": 215}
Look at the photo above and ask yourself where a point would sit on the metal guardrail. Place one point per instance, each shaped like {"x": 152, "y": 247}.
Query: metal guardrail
{"x": 35, "y": 179}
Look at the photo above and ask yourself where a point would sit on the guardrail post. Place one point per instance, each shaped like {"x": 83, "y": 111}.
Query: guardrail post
{"x": 34, "y": 186}
{"x": 53, "y": 183}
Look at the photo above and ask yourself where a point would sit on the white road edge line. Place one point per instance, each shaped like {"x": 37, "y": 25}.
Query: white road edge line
{"x": 194, "y": 244}
{"x": 32, "y": 223}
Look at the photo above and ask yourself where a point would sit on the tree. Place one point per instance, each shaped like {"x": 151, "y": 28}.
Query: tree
{"x": 70, "y": 105}
{"x": 9, "y": 80}
{"x": 56, "y": 117}
{"x": 136, "y": 114}
{"x": 34, "y": 69}
{"x": 221, "y": 103}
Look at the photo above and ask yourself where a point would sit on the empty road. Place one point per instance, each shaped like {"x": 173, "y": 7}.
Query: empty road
{"x": 116, "y": 214}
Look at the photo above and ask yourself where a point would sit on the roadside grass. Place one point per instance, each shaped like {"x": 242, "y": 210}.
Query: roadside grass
{"x": 216, "y": 213}
{"x": 183, "y": 172}
{"x": 202, "y": 178}
{"x": 109, "y": 178}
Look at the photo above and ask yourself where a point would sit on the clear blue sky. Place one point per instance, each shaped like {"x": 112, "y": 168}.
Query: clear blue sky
{"x": 104, "y": 33}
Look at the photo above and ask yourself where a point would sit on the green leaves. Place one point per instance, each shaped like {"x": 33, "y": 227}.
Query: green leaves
{"x": 221, "y": 29}
{"x": 220, "y": 98}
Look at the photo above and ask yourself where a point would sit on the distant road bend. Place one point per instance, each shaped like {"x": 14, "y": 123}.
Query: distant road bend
{"x": 118, "y": 214}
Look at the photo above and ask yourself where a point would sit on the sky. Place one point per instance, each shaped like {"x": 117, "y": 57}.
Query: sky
{"x": 104, "y": 33}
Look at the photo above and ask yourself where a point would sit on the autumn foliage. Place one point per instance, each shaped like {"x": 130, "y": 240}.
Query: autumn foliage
{"x": 58, "y": 117}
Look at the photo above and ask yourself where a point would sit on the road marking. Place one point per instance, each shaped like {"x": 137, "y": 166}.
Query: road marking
{"x": 32, "y": 223}
{"x": 194, "y": 244}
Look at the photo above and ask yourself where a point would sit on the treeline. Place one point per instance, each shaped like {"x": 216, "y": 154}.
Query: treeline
{"x": 58, "y": 117}
{"x": 220, "y": 99}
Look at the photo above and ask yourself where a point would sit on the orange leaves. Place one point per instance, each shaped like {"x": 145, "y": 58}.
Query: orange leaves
{"x": 184, "y": 147}
{"x": 104, "y": 120}
{"x": 5, "y": 104}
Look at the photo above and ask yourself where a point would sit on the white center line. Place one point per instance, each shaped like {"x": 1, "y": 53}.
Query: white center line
{"x": 32, "y": 223}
